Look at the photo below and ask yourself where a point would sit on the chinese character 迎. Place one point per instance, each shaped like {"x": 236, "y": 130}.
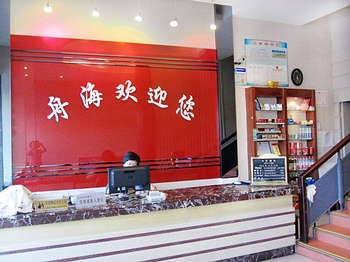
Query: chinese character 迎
{"x": 185, "y": 108}
{"x": 57, "y": 108}
{"x": 157, "y": 96}
{"x": 125, "y": 91}
{"x": 89, "y": 96}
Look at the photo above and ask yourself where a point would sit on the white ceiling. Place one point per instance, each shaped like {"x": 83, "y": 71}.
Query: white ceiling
{"x": 293, "y": 12}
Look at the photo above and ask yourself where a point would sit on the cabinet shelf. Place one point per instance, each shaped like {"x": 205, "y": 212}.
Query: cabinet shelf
{"x": 268, "y": 132}
{"x": 265, "y": 124}
{"x": 298, "y": 170}
{"x": 268, "y": 110}
{"x": 300, "y": 155}
{"x": 301, "y": 134}
{"x": 293, "y": 110}
{"x": 262, "y": 140}
{"x": 300, "y": 124}
{"x": 300, "y": 139}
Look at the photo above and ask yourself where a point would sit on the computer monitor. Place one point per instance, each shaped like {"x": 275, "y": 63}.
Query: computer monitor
{"x": 125, "y": 179}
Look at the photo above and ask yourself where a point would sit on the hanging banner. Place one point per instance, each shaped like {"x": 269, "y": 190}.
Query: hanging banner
{"x": 266, "y": 60}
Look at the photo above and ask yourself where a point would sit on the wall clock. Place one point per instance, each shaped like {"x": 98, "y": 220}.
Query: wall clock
{"x": 297, "y": 77}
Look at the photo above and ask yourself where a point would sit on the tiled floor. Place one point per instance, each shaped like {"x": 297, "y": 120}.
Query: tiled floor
{"x": 292, "y": 258}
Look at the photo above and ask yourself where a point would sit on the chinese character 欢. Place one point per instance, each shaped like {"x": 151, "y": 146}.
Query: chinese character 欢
{"x": 185, "y": 108}
{"x": 125, "y": 91}
{"x": 89, "y": 96}
{"x": 57, "y": 108}
{"x": 157, "y": 96}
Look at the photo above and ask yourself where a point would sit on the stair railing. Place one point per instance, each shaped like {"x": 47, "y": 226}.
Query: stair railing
{"x": 313, "y": 172}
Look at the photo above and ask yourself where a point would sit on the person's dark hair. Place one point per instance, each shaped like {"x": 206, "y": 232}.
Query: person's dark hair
{"x": 131, "y": 156}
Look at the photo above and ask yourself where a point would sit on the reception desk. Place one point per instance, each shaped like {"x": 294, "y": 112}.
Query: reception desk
{"x": 204, "y": 223}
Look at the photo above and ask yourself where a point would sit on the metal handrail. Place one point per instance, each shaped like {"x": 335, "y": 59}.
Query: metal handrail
{"x": 312, "y": 172}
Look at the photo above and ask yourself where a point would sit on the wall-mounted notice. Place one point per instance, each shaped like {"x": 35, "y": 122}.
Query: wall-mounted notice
{"x": 240, "y": 76}
{"x": 269, "y": 170}
{"x": 266, "y": 60}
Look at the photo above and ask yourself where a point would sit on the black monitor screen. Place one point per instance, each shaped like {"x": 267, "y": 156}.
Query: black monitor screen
{"x": 122, "y": 179}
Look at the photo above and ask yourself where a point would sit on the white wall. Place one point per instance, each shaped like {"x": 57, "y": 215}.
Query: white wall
{"x": 311, "y": 49}
{"x": 340, "y": 25}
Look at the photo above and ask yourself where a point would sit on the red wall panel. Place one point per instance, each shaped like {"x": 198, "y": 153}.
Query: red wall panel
{"x": 82, "y": 142}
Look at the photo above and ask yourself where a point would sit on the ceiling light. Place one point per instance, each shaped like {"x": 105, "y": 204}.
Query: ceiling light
{"x": 174, "y": 23}
{"x": 48, "y": 8}
{"x": 138, "y": 18}
{"x": 212, "y": 26}
{"x": 95, "y": 13}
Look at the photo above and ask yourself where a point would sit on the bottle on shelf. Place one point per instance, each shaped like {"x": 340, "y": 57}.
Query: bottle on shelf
{"x": 290, "y": 120}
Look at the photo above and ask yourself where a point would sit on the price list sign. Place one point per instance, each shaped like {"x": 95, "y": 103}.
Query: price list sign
{"x": 269, "y": 170}
{"x": 266, "y": 60}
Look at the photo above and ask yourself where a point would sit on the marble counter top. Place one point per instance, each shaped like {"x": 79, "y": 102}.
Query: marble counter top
{"x": 176, "y": 199}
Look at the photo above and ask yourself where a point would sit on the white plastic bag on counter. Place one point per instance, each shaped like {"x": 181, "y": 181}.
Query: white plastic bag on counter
{"x": 15, "y": 199}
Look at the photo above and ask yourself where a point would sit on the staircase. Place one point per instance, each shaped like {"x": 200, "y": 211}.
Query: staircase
{"x": 332, "y": 241}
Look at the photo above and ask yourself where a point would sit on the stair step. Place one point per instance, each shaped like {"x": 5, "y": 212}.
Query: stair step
{"x": 332, "y": 234}
{"x": 341, "y": 218}
{"x": 321, "y": 251}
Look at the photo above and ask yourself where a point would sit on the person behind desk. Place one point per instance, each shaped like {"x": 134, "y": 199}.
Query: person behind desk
{"x": 133, "y": 159}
